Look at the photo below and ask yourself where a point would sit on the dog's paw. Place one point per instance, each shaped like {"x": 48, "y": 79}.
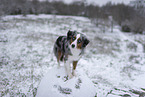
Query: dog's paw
{"x": 58, "y": 67}
{"x": 70, "y": 76}
{"x": 74, "y": 74}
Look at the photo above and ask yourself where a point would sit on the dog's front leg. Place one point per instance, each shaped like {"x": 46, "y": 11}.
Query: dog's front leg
{"x": 74, "y": 68}
{"x": 68, "y": 69}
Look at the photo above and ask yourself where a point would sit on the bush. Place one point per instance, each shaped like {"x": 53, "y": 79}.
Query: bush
{"x": 125, "y": 28}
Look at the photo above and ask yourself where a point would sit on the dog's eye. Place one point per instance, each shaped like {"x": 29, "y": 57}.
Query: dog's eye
{"x": 73, "y": 38}
{"x": 79, "y": 41}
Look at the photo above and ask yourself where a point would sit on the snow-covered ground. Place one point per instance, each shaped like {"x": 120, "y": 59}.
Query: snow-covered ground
{"x": 114, "y": 62}
{"x": 56, "y": 84}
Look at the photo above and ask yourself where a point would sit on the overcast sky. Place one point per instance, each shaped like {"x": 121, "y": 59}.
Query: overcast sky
{"x": 98, "y": 2}
{"x": 102, "y": 2}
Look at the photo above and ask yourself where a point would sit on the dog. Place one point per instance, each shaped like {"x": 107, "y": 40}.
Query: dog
{"x": 70, "y": 49}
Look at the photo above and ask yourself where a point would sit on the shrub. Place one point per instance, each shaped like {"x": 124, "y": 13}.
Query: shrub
{"x": 125, "y": 28}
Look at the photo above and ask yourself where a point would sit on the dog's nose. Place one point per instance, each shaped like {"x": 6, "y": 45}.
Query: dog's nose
{"x": 73, "y": 45}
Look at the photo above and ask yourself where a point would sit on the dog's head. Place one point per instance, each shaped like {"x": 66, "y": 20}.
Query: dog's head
{"x": 77, "y": 40}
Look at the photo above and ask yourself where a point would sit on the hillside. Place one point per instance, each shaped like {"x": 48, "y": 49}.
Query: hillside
{"x": 114, "y": 62}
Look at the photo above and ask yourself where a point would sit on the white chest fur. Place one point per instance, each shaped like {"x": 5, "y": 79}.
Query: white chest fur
{"x": 75, "y": 55}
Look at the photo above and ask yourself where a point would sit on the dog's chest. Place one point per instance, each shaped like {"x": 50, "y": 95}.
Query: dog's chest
{"x": 76, "y": 55}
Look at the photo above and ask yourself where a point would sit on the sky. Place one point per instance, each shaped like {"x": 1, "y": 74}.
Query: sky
{"x": 95, "y": 2}
{"x": 102, "y": 2}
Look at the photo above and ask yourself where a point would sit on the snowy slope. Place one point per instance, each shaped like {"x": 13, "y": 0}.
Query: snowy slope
{"x": 56, "y": 84}
{"x": 113, "y": 62}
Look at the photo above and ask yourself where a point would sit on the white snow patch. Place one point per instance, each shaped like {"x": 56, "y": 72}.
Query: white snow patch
{"x": 55, "y": 84}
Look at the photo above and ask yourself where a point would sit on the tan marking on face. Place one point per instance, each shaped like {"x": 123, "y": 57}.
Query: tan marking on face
{"x": 79, "y": 45}
{"x": 72, "y": 39}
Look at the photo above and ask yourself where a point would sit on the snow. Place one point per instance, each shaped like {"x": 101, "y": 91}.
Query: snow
{"x": 140, "y": 80}
{"x": 55, "y": 83}
{"x": 113, "y": 64}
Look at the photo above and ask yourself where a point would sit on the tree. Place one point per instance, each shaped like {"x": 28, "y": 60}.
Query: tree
{"x": 138, "y": 24}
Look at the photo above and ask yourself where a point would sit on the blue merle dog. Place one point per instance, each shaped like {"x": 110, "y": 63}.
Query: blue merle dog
{"x": 70, "y": 49}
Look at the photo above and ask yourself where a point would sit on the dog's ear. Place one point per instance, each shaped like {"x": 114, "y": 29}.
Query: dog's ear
{"x": 86, "y": 42}
{"x": 69, "y": 34}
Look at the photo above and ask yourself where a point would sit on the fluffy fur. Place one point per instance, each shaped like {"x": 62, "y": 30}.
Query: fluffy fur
{"x": 70, "y": 49}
